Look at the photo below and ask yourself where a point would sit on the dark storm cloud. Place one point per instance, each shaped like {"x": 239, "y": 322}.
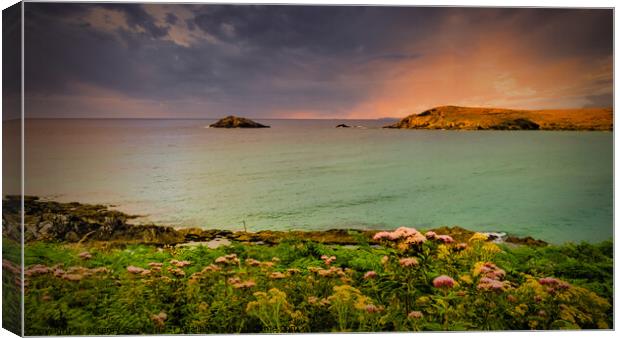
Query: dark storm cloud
{"x": 138, "y": 17}
{"x": 171, "y": 18}
{"x": 209, "y": 60}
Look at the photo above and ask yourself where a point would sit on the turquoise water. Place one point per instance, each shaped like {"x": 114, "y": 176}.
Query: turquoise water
{"x": 306, "y": 174}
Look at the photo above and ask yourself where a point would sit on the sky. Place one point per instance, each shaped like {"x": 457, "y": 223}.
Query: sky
{"x": 208, "y": 61}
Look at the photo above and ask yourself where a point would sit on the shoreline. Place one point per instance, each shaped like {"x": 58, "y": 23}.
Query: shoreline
{"x": 73, "y": 222}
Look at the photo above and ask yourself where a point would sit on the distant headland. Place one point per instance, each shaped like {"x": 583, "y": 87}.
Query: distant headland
{"x": 476, "y": 118}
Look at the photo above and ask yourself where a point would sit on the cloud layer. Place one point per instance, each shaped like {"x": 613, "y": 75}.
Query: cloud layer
{"x": 176, "y": 60}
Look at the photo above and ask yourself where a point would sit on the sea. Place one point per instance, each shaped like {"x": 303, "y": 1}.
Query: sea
{"x": 308, "y": 175}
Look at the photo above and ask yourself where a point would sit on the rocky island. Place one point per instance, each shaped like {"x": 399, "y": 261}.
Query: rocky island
{"x": 236, "y": 122}
{"x": 475, "y": 118}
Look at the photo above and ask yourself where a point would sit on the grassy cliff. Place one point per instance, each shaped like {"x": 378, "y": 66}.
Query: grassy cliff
{"x": 475, "y": 118}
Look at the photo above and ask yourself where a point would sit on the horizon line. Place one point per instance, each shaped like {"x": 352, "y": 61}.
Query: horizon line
{"x": 197, "y": 118}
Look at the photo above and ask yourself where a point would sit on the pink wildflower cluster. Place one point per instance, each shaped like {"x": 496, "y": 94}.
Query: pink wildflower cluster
{"x": 553, "y": 284}
{"x": 293, "y": 271}
{"x": 211, "y": 268}
{"x": 408, "y": 262}
{"x": 415, "y": 315}
{"x": 461, "y": 246}
{"x": 11, "y": 267}
{"x": 178, "y": 272}
{"x": 491, "y": 276}
{"x": 244, "y": 284}
{"x": 237, "y": 283}
{"x": 252, "y": 262}
{"x": 445, "y": 239}
{"x": 277, "y": 275}
{"x": 490, "y": 270}
{"x": 312, "y": 300}
{"x": 408, "y": 235}
{"x": 156, "y": 266}
{"x": 443, "y": 281}
{"x": 74, "y": 273}
{"x": 36, "y": 270}
{"x": 228, "y": 260}
{"x": 85, "y": 255}
{"x": 328, "y": 260}
{"x": 430, "y": 235}
{"x": 135, "y": 270}
{"x": 370, "y": 275}
{"x": 159, "y": 319}
{"x": 487, "y": 283}
{"x": 371, "y": 308}
{"x": 331, "y": 272}
{"x": 180, "y": 264}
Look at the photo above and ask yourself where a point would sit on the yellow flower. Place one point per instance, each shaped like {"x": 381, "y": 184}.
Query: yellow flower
{"x": 466, "y": 279}
{"x": 478, "y": 237}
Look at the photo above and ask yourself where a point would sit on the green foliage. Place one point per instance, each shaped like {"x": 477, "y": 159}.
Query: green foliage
{"x": 295, "y": 287}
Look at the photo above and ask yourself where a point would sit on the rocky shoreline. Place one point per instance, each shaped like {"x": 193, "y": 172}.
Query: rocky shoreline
{"x": 51, "y": 221}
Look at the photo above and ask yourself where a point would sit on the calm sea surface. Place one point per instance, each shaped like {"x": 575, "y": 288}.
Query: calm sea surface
{"x": 306, "y": 174}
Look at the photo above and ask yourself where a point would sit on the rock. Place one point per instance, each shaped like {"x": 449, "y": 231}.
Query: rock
{"x": 71, "y": 236}
{"x": 236, "y": 122}
{"x": 342, "y": 125}
{"x": 516, "y": 124}
{"x": 529, "y": 241}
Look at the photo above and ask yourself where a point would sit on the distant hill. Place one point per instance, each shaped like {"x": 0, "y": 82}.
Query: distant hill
{"x": 475, "y": 118}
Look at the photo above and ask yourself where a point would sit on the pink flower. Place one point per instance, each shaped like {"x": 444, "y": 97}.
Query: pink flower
{"x": 461, "y": 246}
{"x": 74, "y": 277}
{"x": 415, "y": 315}
{"x": 37, "y": 269}
{"x": 244, "y": 285}
{"x": 85, "y": 255}
{"x": 408, "y": 262}
{"x": 155, "y": 265}
{"x": 252, "y": 262}
{"x": 180, "y": 264}
{"x": 177, "y": 272}
{"x": 548, "y": 281}
{"x": 381, "y": 235}
{"x": 370, "y": 308}
{"x": 277, "y": 275}
{"x": 227, "y": 259}
{"x": 370, "y": 274}
{"x": 211, "y": 268}
{"x": 328, "y": 260}
{"x": 443, "y": 281}
{"x": 134, "y": 269}
{"x": 563, "y": 285}
{"x": 430, "y": 235}
{"x": 403, "y": 232}
{"x": 445, "y": 238}
{"x": 416, "y": 238}
{"x": 487, "y": 283}
{"x": 159, "y": 319}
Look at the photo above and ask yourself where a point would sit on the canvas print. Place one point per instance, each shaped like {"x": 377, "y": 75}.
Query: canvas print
{"x": 221, "y": 168}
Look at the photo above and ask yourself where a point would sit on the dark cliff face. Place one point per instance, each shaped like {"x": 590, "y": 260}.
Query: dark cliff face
{"x": 237, "y": 122}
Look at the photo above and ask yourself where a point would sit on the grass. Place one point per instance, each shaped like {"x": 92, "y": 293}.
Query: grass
{"x": 295, "y": 286}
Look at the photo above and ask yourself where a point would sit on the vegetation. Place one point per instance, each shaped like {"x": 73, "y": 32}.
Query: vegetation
{"x": 410, "y": 282}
